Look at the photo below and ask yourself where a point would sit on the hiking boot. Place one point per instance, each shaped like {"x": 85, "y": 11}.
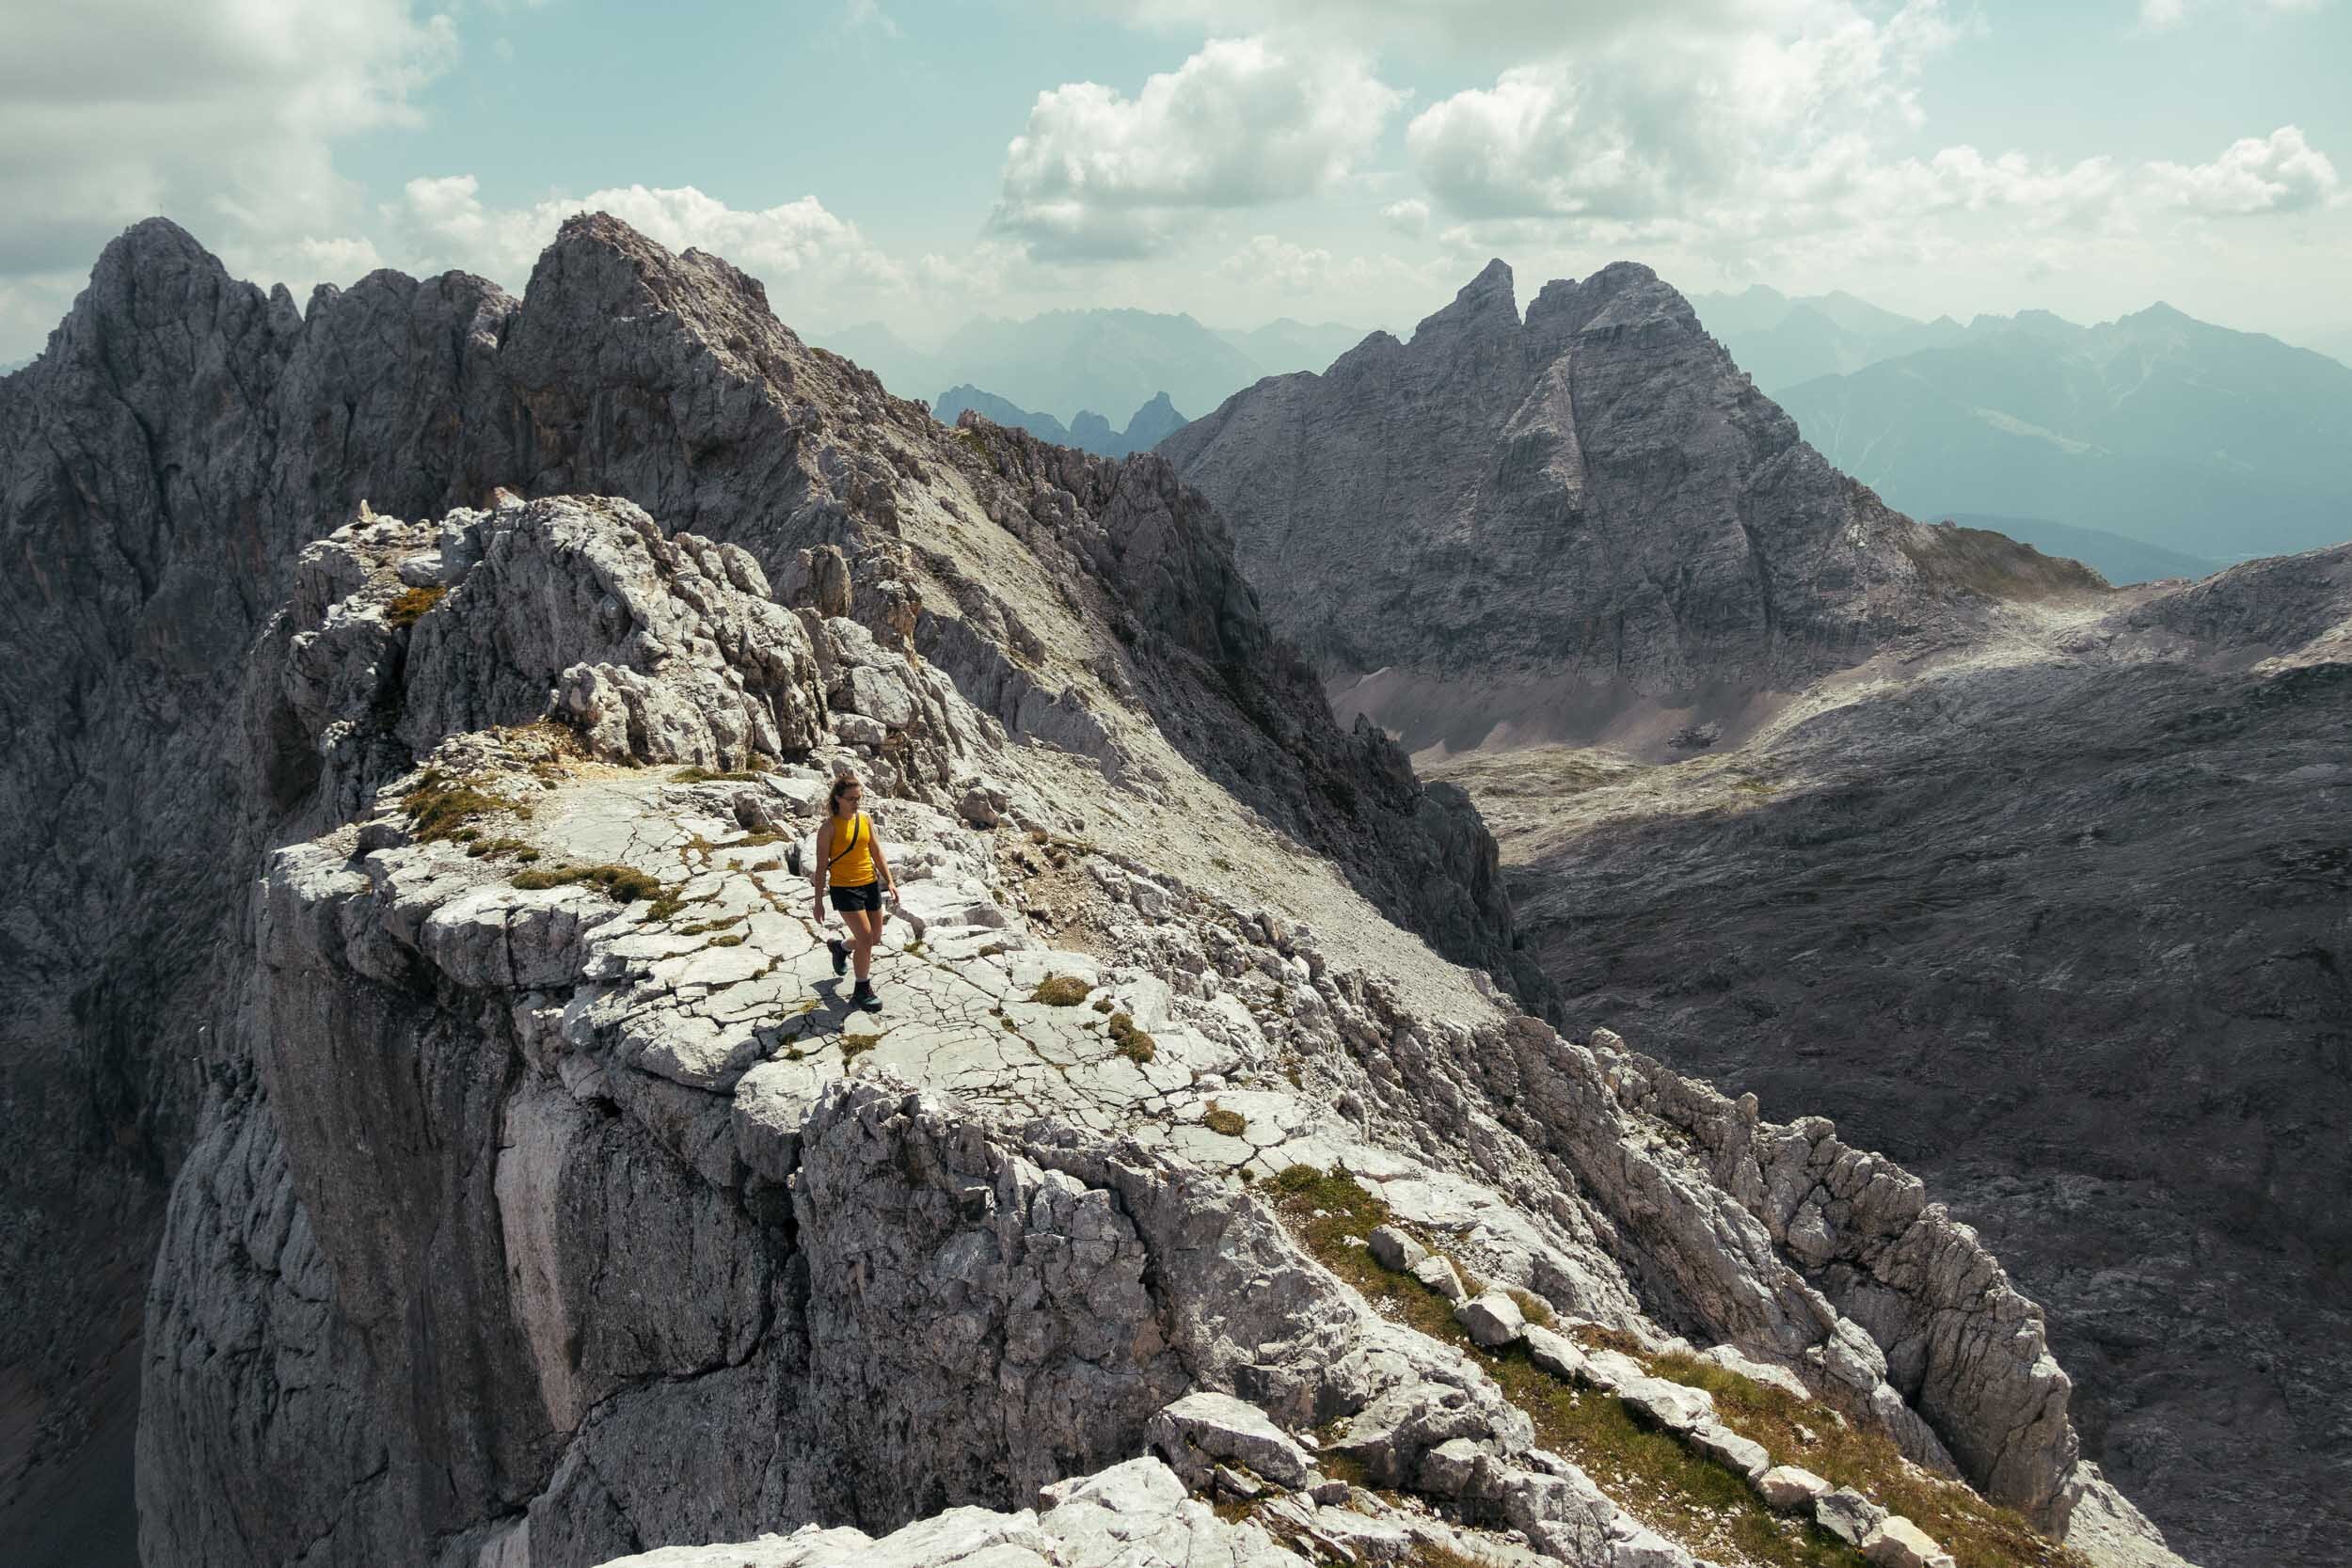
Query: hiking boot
{"x": 840, "y": 951}
{"x": 863, "y": 997}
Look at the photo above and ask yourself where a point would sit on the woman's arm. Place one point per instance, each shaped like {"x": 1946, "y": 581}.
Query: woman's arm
{"x": 816, "y": 873}
{"x": 881, "y": 863}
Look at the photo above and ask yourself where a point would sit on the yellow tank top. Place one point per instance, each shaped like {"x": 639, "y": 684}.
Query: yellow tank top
{"x": 852, "y": 853}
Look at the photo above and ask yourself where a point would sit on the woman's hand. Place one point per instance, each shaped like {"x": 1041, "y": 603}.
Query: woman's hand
{"x": 818, "y": 905}
{"x": 882, "y": 914}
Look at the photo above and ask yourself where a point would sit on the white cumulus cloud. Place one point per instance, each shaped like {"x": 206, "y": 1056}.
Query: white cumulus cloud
{"x": 2278, "y": 174}
{"x": 218, "y": 112}
{"x": 1409, "y": 217}
{"x": 1667, "y": 122}
{"x": 1245, "y": 121}
{"x": 800, "y": 249}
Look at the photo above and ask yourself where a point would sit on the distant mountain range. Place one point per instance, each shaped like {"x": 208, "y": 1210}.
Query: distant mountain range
{"x": 1067, "y": 361}
{"x": 2158, "y": 427}
{"x": 1088, "y": 431}
{"x": 7, "y": 366}
{"x": 1780, "y": 342}
{"x": 2152, "y": 446}
{"x": 2335, "y": 342}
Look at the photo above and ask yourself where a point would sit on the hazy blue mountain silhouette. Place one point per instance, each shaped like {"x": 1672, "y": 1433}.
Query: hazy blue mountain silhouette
{"x": 2158, "y": 427}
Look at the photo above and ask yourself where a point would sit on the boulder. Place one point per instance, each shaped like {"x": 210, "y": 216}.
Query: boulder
{"x": 1728, "y": 1449}
{"x": 1847, "y": 1515}
{"x": 1194, "y": 1431}
{"x": 1389, "y": 1435}
{"x": 1493, "y": 1320}
{"x": 1394, "y": 1249}
{"x": 1436, "y": 1272}
{"x": 1449, "y": 1469}
{"x": 1555, "y": 1353}
{"x": 1895, "y": 1541}
{"x": 1791, "y": 1487}
{"x": 1675, "y": 1406}
{"x": 975, "y": 806}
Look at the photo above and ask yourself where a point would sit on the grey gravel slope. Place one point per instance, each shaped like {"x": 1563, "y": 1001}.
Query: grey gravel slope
{"x": 2070, "y": 933}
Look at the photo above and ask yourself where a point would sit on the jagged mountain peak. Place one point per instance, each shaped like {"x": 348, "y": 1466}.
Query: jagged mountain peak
{"x": 1571, "y": 525}
{"x": 1486, "y": 298}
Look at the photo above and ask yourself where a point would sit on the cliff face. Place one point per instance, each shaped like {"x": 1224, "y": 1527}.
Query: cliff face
{"x": 184, "y": 434}
{"x": 1567, "y": 526}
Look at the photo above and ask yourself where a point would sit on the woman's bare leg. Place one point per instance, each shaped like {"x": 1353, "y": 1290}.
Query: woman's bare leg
{"x": 865, "y": 930}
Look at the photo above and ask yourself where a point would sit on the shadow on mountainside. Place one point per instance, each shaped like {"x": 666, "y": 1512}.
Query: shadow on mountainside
{"x": 2070, "y": 941}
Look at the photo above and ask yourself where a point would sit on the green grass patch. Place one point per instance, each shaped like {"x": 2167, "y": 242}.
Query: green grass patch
{"x": 1134, "y": 1044}
{"x": 733, "y": 939}
{"x": 1218, "y": 1119}
{"x": 700, "y": 927}
{"x": 1535, "y": 1309}
{"x": 442, "y": 807}
{"x": 1060, "y": 990}
{"x": 623, "y": 884}
{"x": 410, "y": 605}
{"x": 1670, "y": 1486}
{"x": 854, "y": 1045}
{"x": 1977, "y": 1533}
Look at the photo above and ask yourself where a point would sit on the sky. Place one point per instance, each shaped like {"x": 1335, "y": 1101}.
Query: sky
{"x": 920, "y": 162}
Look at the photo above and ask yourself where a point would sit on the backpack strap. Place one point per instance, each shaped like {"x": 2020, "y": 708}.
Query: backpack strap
{"x": 854, "y": 821}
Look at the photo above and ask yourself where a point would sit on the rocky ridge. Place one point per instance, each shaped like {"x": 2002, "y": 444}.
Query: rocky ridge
{"x": 563, "y": 1211}
{"x": 185, "y": 434}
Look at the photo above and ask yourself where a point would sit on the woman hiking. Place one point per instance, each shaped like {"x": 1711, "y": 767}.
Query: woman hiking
{"x": 849, "y": 856}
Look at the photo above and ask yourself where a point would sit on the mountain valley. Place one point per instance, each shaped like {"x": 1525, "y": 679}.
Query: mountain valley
{"x": 1917, "y": 822}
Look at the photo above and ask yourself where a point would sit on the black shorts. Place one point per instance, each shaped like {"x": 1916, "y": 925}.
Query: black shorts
{"x": 866, "y": 897}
